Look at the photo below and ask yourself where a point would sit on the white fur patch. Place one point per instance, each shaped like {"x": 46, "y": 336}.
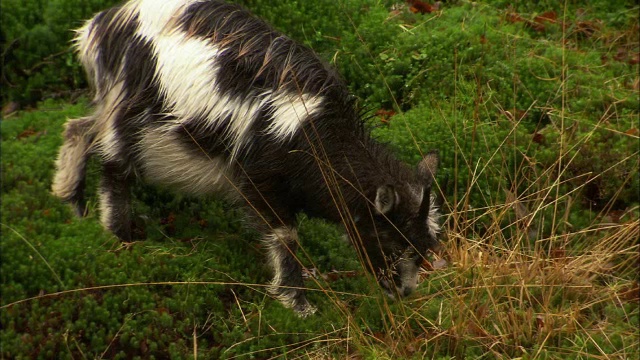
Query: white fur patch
{"x": 434, "y": 212}
{"x": 108, "y": 142}
{"x": 106, "y": 208}
{"x": 386, "y": 199}
{"x": 433, "y": 220}
{"x": 244, "y": 113}
{"x": 85, "y": 45}
{"x": 186, "y": 73}
{"x": 408, "y": 271}
{"x": 71, "y": 160}
{"x": 167, "y": 160}
{"x": 156, "y": 16}
{"x": 186, "y": 67}
{"x": 291, "y": 111}
{"x": 277, "y": 244}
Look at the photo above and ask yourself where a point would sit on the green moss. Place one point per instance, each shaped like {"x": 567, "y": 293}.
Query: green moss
{"x": 455, "y": 78}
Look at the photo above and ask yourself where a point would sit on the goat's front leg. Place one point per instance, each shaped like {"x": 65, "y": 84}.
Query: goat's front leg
{"x": 115, "y": 201}
{"x": 287, "y": 284}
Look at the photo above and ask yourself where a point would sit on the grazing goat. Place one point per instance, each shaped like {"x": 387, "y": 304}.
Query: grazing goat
{"x": 203, "y": 97}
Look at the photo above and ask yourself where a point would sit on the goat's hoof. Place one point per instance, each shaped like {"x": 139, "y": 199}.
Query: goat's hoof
{"x": 304, "y": 310}
{"x": 80, "y": 209}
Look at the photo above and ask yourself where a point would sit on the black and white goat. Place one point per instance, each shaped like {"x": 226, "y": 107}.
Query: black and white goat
{"x": 201, "y": 96}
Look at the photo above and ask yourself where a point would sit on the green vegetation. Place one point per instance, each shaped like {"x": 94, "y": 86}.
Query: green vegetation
{"x": 534, "y": 108}
{"x": 37, "y": 60}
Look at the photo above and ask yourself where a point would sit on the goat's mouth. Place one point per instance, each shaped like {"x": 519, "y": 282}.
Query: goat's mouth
{"x": 388, "y": 287}
{"x": 394, "y": 290}
{"x": 400, "y": 280}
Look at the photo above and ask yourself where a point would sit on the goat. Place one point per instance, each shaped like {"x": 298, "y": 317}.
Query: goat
{"x": 202, "y": 96}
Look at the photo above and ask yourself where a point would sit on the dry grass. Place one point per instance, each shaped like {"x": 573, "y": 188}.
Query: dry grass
{"x": 510, "y": 297}
{"x": 522, "y": 281}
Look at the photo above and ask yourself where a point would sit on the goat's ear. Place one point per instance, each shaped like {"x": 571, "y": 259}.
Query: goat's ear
{"x": 386, "y": 199}
{"x": 428, "y": 167}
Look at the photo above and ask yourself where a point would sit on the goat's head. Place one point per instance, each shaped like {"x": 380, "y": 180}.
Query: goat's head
{"x": 402, "y": 228}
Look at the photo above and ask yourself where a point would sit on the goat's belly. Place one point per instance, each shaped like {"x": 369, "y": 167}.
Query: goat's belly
{"x": 169, "y": 161}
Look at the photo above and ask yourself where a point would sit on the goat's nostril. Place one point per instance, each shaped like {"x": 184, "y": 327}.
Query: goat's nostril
{"x": 406, "y": 291}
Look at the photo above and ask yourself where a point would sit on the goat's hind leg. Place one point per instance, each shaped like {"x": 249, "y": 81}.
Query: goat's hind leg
{"x": 71, "y": 163}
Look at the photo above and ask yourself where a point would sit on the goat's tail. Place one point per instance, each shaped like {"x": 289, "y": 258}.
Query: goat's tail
{"x": 69, "y": 180}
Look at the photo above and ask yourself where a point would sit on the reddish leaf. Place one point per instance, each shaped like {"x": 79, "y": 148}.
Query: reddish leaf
{"x": 385, "y": 115}
{"x": 394, "y": 13}
{"x": 380, "y": 336}
{"x": 170, "y": 219}
{"x": 586, "y": 28}
{"x": 558, "y": 253}
{"x": 143, "y": 346}
{"x": 427, "y": 265}
{"x": 483, "y": 39}
{"x": 162, "y": 310}
{"x": 539, "y": 321}
{"x": 615, "y": 215}
{"x": 337, "y": 275}
{"x": 632, "y": 131}
{"x": 538, "y": 138}
{"x": 621, "y": 54}
{"x": 476, "y": 330}
{"x": 535, "y": 26}
{"x": 418, "y": 6}
{"x": 538, "y": 23}
{"x": 580, "y": 13}
{"x": 630, "y": 293}
{"x": 482, "y": 311}
{"x": 27, "y": 133}
{"x": 514, "y": 18}
{"x": 410, "y": 348}
{"x": 635, "y": 59}
{"x": 333, "y": 277}
{"x": 169, "y": 222}
{"x": 549, "y": 16}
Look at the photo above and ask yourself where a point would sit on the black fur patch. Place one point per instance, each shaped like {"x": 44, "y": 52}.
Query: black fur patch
{"x": 112, "y": 38}
{"x": 144, "y": 105}
{"x": 255, "y": 56}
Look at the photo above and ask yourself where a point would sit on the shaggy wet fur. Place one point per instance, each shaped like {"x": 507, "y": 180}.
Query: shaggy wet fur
{"x": 203, "y": 97}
